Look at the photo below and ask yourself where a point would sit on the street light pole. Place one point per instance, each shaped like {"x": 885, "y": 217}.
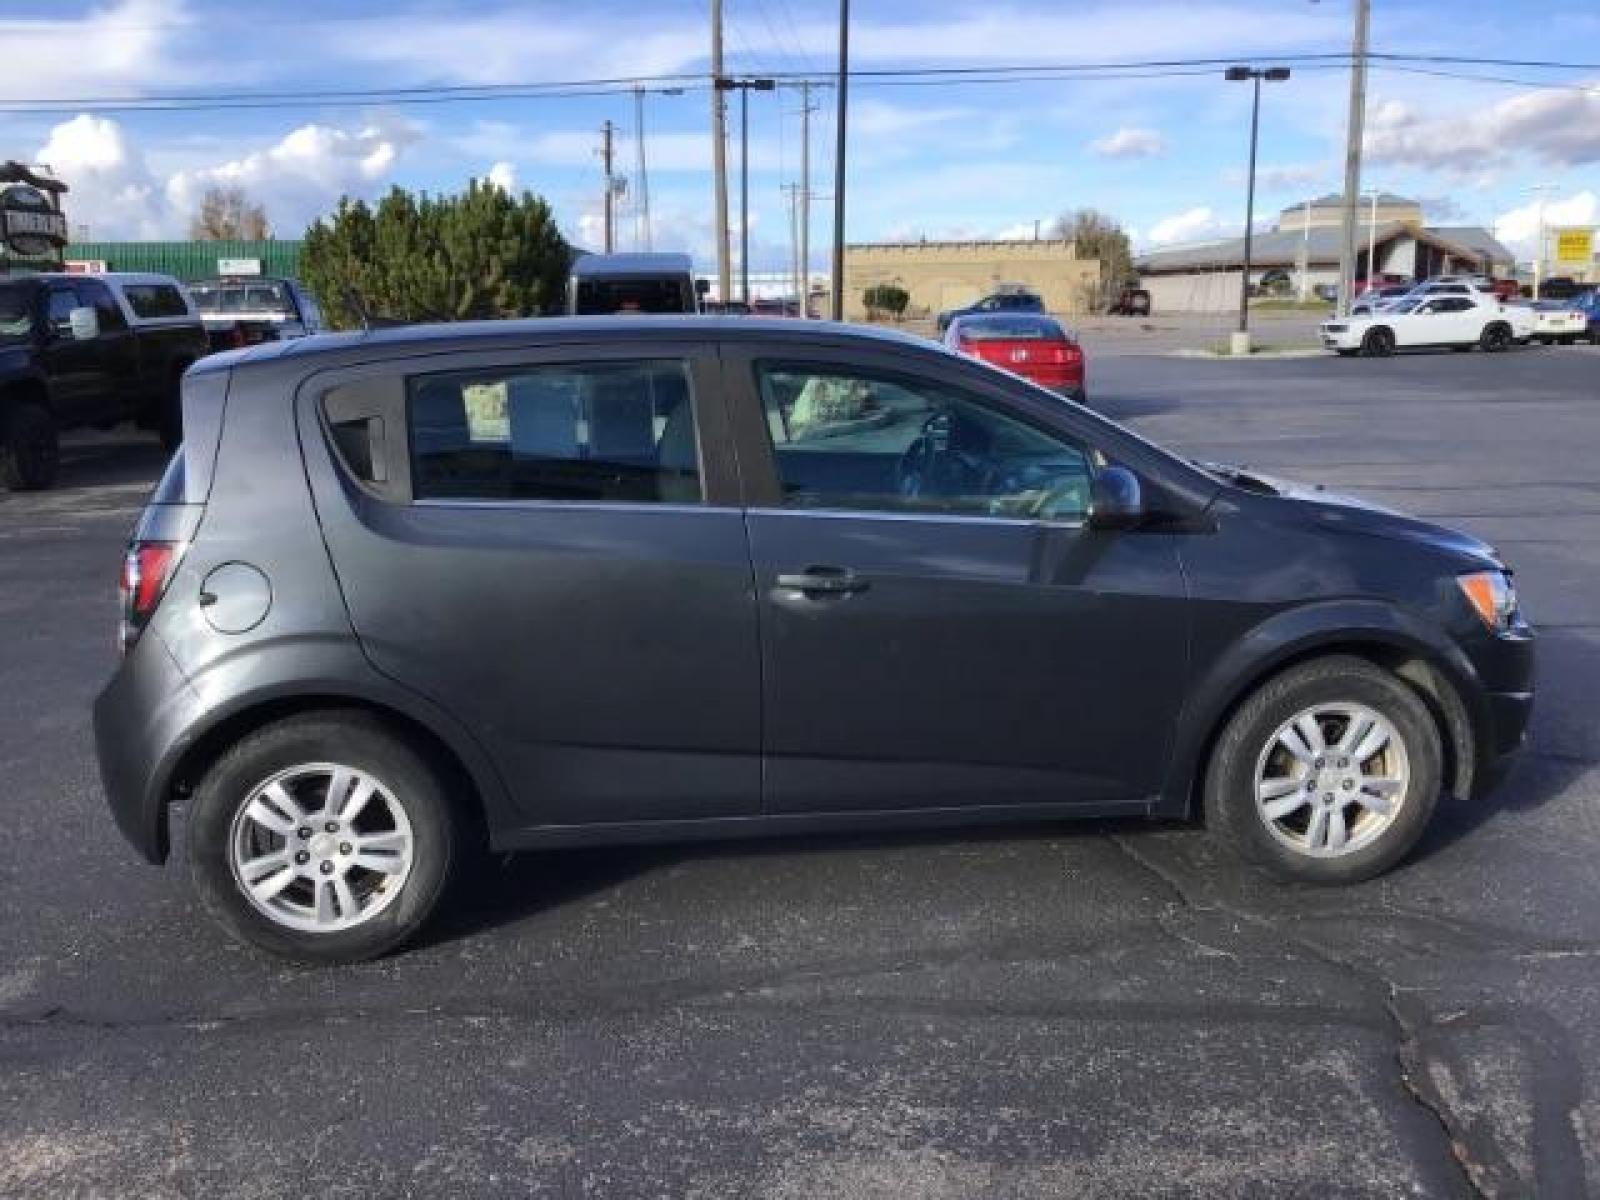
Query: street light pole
{"x": 1255, "y": 75}
{"x": 1352, "y": 156}
{"x": 724, "y": 83}
{"x": 838, "y": 161}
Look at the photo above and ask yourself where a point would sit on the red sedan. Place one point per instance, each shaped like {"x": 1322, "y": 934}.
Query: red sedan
{"x": 1034, "y": 347}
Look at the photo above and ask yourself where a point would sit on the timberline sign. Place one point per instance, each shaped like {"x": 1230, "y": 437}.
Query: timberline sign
{"x": 29, "y": 222}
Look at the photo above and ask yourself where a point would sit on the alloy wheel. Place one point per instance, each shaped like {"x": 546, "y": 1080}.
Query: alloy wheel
{"x": 321, "y": 847}
{"x": 1332, "y": 779}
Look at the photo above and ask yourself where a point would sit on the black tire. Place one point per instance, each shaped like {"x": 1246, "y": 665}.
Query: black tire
{"x": 350, "y": 739}
{"x": 1344, "y": 353}
{"x": 1230, "y": 783}
{"x": 29, "y": 451}
{"x": 1379, "y": 342}
{"x": 1496, "y": 337}
{"x": 1569, "y": 339}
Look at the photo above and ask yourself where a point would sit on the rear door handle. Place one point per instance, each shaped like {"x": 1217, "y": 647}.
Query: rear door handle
{"x": 831, "y": 581}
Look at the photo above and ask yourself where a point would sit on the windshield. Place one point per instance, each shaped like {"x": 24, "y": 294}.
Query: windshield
{"x": 1011, "y": 328}
{"x": 16, "y": 312}
{"x": 645, "y": 294}
{"x": 265, "y": 297}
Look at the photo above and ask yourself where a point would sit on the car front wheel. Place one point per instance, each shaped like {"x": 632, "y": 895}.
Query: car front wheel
{"x": 1496, "y": 337}
{"x": 1379, "y": 343}
{"x": 1328, "y": 773}
{"x": 323, "y": 838}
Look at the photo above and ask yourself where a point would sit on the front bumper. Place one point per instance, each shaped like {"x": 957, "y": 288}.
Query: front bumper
{"x": 1505, "y": 666}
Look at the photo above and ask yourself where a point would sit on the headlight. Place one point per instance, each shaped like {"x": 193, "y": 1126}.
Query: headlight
{"x": 1492, "y": 597}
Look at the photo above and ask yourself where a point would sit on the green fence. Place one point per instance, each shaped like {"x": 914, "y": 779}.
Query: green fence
{"x": 187, "y": 260}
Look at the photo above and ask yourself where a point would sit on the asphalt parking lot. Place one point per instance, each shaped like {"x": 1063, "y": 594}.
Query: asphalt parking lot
{"x": 1111, "y": 1010}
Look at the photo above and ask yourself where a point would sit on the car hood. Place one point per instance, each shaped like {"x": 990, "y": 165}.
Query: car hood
{"x": 1354, "y": 514}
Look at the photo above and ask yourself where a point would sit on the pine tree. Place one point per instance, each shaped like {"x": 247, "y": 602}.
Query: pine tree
{"x": 480, "y": 254}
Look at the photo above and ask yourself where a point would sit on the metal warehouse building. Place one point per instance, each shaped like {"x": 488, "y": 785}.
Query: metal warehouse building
{"x": 188, "y": 260}
{"x": 1304, "y": 246}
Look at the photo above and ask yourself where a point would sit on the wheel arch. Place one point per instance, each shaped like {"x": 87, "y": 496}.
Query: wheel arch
{"x": 468, "y": 776}
{"x": 1437, "y": 671}
{"x": 24, "y": 389}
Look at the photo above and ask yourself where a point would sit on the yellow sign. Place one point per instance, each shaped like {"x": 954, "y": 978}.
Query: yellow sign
{"x": 1575, "y": 246}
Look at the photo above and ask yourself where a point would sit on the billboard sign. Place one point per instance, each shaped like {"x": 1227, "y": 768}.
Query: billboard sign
{"x": 1575, "y": 246}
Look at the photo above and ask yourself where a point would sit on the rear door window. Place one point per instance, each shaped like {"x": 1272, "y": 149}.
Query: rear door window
{"x": 617, "y": 432}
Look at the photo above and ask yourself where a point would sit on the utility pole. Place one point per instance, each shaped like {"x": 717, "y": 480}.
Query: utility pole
{"x": 804, "y": 217}
{"x": 1305, "y": 252}
{"x": 796, "y": 276}
{"x": 838, "y": 161}
{"x": 1372, "y": 242}
{"x": 1352, "y": 156}
{"x": 744, "y": 195}
{"x": 611, "y": 186}
{"x": 719, "y": 153}
{"x": 641, "y": 182}
{"x": 1538, "y": 190}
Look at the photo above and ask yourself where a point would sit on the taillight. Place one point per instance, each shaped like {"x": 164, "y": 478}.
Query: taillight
{"x": 146, "y": 572}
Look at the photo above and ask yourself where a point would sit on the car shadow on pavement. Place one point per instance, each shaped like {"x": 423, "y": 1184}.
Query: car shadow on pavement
{"x": 502, "y": 890}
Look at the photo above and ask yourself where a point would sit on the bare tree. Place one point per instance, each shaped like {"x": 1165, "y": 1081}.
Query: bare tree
{"x": 1096, "y": 235}
{"x": 227, "y": 214}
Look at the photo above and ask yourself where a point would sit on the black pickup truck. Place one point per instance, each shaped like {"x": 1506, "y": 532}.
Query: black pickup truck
{"x": 82, "y": 350}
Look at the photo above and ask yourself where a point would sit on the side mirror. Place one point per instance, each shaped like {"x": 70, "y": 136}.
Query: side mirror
{"x": 84, "y": 323}
{"x": 1116, "y": 500}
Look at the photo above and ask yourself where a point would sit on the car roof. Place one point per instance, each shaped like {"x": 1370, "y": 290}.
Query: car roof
{"x": 973, "y": 320}
{"x": 122, "y": 277}
{"x": 594, "y": 266}
{"x": 401, "y": 340}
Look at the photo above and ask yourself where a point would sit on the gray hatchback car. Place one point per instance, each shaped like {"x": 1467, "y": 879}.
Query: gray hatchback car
{"x": 409, "y": 593}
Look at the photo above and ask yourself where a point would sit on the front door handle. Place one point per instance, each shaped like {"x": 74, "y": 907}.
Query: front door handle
{"x": 830, "y": 581}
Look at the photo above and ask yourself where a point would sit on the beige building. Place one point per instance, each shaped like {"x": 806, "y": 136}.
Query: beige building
{"x": 945, "y": 275}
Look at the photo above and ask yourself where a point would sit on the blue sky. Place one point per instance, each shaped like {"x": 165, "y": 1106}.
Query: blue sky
{"x": 1163, "y": 155}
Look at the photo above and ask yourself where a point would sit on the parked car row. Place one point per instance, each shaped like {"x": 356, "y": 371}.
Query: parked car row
{"x": 97, "y": 350}
{"x": 1458, "y": 312}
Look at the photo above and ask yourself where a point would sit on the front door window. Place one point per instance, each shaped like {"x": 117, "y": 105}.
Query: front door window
{"x": 849, "y": 439}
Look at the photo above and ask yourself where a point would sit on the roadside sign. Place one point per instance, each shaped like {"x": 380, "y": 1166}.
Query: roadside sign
{"x": 29, "y": 224}
{"x": 86, "y": 266}
{"x": 238, "y": 266}
{"x": 1575, "y": 246}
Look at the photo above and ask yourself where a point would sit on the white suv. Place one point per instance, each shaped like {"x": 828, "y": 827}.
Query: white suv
{"x": 1452, "y": 314}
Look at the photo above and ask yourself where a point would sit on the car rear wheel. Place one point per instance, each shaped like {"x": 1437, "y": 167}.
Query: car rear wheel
{"x": 322, "y": 838}
{"x": 1328, "y": 773}
{"x": 29, "y": 451}
{"x": 1379, "y": 343}
{"x": 1495, "y": 338}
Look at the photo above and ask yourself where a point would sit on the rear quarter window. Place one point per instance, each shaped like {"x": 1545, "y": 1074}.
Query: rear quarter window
{"x": 612, "y": 432}
{"x": 151, "y": 301}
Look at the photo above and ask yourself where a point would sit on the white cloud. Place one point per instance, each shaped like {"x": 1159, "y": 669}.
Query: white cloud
{"x": 1518, "y": 228}
{"x": 113, "y": 191}
{"x": 299, "y": 177}
{"x": 504, "y": 176}
{"x": 1286, "y": 177}
{"x": 120, "y": 48}
{"x": 116, "y": 194}
{"x": 1560, "y": 128}
{"x": 1195, "y": 224}
{"x": 1130, "y": 142}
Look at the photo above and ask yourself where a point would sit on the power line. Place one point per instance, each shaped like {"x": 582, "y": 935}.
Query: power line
{"x": 695, "y": 81}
